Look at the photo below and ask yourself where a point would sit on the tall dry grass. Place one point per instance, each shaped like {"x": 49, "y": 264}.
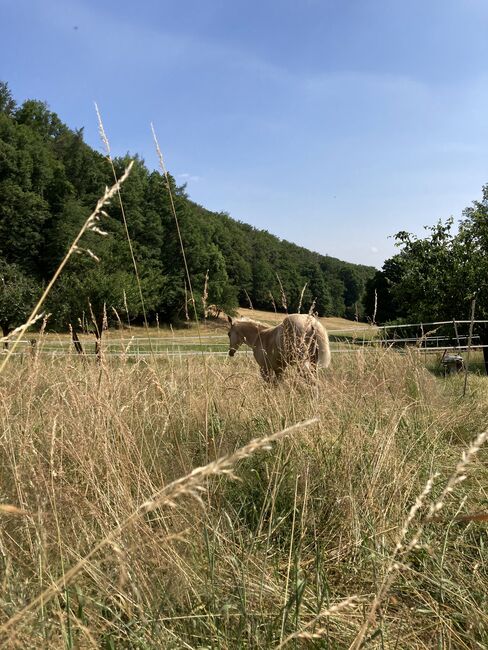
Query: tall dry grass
{"x": 292, "y": 552}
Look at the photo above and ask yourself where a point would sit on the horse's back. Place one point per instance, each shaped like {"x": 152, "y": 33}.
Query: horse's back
{"x": 300, "y": 323}
{"x": 307, "y": 335}
{"x": 297, "y": 329}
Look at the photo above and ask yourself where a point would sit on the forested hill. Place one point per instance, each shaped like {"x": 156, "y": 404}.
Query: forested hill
{"x": 50, "y": 180}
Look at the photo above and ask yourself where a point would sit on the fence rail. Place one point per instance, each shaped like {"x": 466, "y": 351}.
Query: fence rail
{"x": 354, "y": 338}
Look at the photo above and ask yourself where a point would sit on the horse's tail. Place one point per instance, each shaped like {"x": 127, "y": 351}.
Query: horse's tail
{"x": 322, "y": 341}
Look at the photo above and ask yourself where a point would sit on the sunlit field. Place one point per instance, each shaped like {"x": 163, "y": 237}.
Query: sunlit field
{"x": 298, "y": 545}
{"x": 209, "y": 336}
{"x": 130, "y": 342}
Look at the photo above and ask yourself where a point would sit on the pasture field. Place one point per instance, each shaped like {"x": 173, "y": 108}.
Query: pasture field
{"x": 296, "y": 546}
{"x": 209, "y": 337}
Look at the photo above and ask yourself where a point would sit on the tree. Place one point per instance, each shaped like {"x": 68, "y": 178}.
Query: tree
{"x": 380, "y": 300}
{"x": 432, "y": 267}
{"x": 7, "y": 102}
{"x": 18, "y": 294}
{"x": 221, "y": 294}
{"x": 353, "y": 289}
{"x": 22, "y": 219}
{"x": 264, "y": 280}
{"x": 472, "y": 259}
{"x": 337, "y": 290}
{"x": 37, "y": 116}
{"x": 319, "y": 291}
{"x": 438, "y": 276}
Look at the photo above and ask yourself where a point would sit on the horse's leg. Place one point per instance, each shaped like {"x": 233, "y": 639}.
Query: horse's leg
{"x": 310, "y": 359}
{"x": 307, "y": 369}
{"x": 313, "y": 356}
{"x": 265, "y": 373}
{"x": 279, "y": 374}
{"x": 303, "y": 368}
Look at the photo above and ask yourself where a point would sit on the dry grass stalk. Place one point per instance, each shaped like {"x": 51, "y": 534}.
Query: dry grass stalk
{"x": 9, "y": 509}
{"x": 205, "y": 296}
{"x": 187, "y": 315}
{"x": 177, "y": 223}
{"x": 458, "y": 475}
{"x": 273, "y": 302}
{"x": 190, "y": 485}
{"x": 126, "y": 309}
{"x": 106, "y": 143}
{"x": 284, "y": 302}
{"x": 249, "y": 300}
{"x": 311, "y": 311}
{"x": 301, "y": 298}
{"x": 304, "y": 633}
{"x": 21, "y": 328}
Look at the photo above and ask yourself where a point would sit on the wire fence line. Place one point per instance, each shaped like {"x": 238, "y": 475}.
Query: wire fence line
{"x": 343, "y": 341}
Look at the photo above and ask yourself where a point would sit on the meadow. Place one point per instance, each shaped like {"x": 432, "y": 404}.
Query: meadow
{"x": 347, "y": 531}
{"x": 210, "y": 337}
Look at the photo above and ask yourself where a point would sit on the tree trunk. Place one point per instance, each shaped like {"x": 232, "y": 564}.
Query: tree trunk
{"x": 76, "y": 341}
{"x": 483, "y": 334}
{"x": 6, "y": 331}
{"x": 485, "y": 357}
{"x": 484, "y": 341}
{"x": 98, "y": 334}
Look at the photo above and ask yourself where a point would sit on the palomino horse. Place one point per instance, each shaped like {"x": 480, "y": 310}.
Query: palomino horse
{"x": 300, "y": 339}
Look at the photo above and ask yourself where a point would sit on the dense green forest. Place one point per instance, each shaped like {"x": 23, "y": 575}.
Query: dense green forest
{"x": 50, "y": 180}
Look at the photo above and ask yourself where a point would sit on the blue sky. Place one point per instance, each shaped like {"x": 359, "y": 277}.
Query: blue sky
{"x": 333, "y": 124}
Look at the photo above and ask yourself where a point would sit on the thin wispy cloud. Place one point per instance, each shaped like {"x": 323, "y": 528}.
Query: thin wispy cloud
{"x": 189, "y": 177}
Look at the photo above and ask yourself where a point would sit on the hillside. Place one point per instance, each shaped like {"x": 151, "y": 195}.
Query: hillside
{"x": 50, "y": 180}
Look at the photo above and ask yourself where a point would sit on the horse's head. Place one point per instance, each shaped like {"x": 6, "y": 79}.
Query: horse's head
{"x": 236, "y": 337}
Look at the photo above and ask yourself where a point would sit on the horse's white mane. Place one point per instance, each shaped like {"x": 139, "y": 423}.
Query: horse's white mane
{"x": 245, "y": 319}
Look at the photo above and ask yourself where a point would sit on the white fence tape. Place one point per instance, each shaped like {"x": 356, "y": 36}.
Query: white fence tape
{"x": 174, "y": 346}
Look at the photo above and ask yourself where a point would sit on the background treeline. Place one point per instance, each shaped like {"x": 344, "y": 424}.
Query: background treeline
{"x": 50, "y": 180}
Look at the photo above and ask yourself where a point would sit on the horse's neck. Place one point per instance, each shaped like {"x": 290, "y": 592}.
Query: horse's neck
{"x": 253, "y": 333}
